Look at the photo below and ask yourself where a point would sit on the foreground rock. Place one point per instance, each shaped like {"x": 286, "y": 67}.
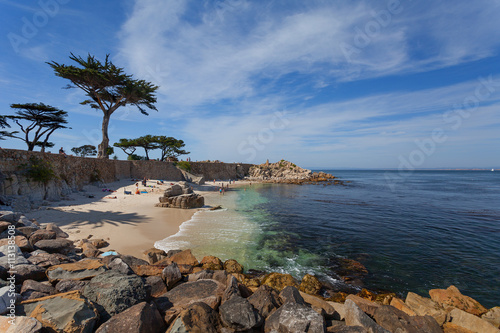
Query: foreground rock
{"x": 115, "y": 292}
{"x": 140, "y": 318}
{"x": 85, "y": 269}
{"x": 68, "y": 312}
{"x": 198, "y": 317}
{"x": 293, "y": 317}
{"x": 453, "y": 297}
{"x": 22, "y": 324}
{"x": 471, "y": 322}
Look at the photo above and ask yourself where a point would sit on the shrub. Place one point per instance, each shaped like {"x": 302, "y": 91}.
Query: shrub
{"x": 184, "y": 165}
{"x": 38, "y": 170}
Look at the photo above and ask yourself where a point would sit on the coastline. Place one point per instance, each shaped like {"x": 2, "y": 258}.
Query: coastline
{"x": 130, "y": 223}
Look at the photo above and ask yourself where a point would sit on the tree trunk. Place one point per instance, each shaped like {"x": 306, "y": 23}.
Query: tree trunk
{"x": 103, "y": 146}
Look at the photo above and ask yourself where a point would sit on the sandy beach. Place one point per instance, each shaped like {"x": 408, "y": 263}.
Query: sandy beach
{"x": 129, "y": 222}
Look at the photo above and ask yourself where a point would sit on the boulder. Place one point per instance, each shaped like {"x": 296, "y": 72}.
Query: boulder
{"x": 4, "y": 225}
{"x": 41, "y": 234}
{"x": 452, "y": 328}
{"x": 220, "y": 276}
{"x": 319, "y": 305}
{"x": 238, "y": 314}
{"x": 68, "y": 312}
{"x": 133, "y": 261}
{"x": 60, "y": 245}
{"x": 453, "y": 297}
{"x": 206, "y": 291}
{"x": 231, "y": 290}
{"x": 400, "y": 305}
{"x": 90, "y": 251}
{"x": 339, "y": 310}
{"x": 140, "y": 318}
{"x": 395, "y": 320}
{"x": 99, "y": 243}
{"x": 354, "y": 316}
{"x": 185, "y": 201}
{"x": 211, "y": 263}
{"x": 21, "y": 324}
{"x": 157, "y": 285}
{"x": 45, "y": 260}
{"x": 120, "y": 266}
{"x": 64, "y": 286}
{"x": 57, "y": 230}
{"x": 198, "y": 317}
{"x": 9, "y": 216}
{"x": 232, "y": 266}
{"x": 29, "y": 272}
{"x": 6, "y": 299}
{"x": 27, "y": 231}
{"x": 171, "y": 275}
{"x": 291, "y": 295}
{"x": 80, "y": 270}
{"x": 279, "y": 281}
{"x": 493, "y": 316}
{"x": 471, "y": 322}
{"x": 293, "y": 317}
{"x": 423, "y": 306}
{"x": 185, "y": 260}
{"x": 154, "y": 255}
{"x": 310, "y": 284}
{"x": 265, "y": 300}
{"x": 31, "y": 286}
{"x": 11, "y": 257}
{"x": 365, "y": 305}
{"x": 115, "y": 292}
{"x": 20, "y": 241}
{"x": 147, "y": 270}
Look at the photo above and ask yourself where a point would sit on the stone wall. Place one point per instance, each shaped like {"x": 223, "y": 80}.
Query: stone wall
{"x": 72, "y": 173}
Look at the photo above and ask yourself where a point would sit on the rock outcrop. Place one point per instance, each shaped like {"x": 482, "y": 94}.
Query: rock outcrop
{"x": 288, "y": 173}
{"x": 181, "y": 196}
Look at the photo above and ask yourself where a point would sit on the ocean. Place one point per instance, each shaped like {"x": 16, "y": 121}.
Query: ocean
{"x": 413, "y": 231}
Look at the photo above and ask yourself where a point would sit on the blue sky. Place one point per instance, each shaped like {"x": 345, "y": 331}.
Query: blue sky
{"x": 341, "y": 84}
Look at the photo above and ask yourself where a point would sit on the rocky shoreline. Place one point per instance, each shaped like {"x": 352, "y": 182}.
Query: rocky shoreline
{"x": 285, "y": 172}
{"x": 51, "y": 284}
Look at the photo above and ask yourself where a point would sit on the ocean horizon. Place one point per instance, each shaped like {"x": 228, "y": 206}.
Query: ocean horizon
{"x": 413, "y": 231}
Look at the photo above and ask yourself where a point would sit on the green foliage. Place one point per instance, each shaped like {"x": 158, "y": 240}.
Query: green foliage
{"x": 134, "y": 157}
{"x": 38, "y": 170}
{"x": 169, "y": 146}
{"x": 107, "y": 88}
{"x": 85, "y": 150}
{"x": 110, "y": 151}
{"x": 37, "y": 118}
{"x": 115, "y": 157}
{"x": 184, "y": 165}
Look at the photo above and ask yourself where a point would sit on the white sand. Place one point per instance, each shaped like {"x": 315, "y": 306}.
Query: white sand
{"x": 130, "y": 223}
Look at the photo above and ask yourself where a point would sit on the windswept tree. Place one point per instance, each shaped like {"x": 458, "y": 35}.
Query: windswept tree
{"x": 127, "y": 145}
{"x": 85, "y": 150}
{"x": 107, "y": 88}
{"x": 148, "y": 142}
{"x": 37, "y": 121}
{"x": 4, "y": 124}
{"x": 170, "y": 147}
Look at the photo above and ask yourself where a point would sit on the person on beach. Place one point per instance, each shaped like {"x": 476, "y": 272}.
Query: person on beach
{"x": 220, "y": 190}
{"x": 137, "y": 188}
{"x": 144, "y": 182}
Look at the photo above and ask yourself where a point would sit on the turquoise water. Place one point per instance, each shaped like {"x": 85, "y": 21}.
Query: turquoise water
{"x": 428, "y": 230}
